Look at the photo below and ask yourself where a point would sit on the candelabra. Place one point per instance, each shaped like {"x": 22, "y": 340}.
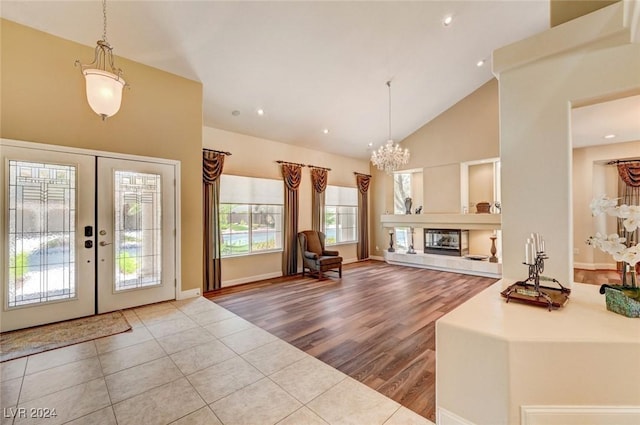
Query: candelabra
{"x": 494, "y": 250}
{"x": 411, "y": 250}
{"x": 535, "y": 270}
{"x": 529, "y": 290}
{"x": 391, "y": 242}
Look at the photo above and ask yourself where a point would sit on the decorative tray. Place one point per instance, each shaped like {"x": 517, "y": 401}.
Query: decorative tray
{"x": 544, "y": 297}
{"x": 477, "y": 257}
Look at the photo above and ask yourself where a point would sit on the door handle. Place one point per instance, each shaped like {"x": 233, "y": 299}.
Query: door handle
{"x": 103, "y": 243}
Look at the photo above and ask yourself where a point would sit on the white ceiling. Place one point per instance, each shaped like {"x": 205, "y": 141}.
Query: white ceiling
{"x": 619, "y": 117}
{"x": 309, "y": 65}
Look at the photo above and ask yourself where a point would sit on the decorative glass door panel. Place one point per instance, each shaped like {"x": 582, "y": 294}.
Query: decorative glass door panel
{"x": 136, "y": 241}
{"x": 48, "y": 271}
{"x": 42, "y": 231}
{"x": 137, "y": 230}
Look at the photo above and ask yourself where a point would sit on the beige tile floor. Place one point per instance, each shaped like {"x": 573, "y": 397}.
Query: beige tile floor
{"x": 188, "y": 362}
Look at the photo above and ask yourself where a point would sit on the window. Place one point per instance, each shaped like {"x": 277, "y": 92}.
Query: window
{"x": 250, "y": 215}
{"x": 402, "y": 237}
{"x": 341, "y": 215}
{"x": 401, "y": 191}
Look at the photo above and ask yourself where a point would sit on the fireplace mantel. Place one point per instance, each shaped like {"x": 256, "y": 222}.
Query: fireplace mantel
{"x": 443, "y": 221}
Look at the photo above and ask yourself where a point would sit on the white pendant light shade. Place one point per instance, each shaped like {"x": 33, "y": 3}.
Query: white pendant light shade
{"x": 104, "y": 91}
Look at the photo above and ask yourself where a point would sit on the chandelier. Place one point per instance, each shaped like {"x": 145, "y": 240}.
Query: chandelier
{"x": 390, "y": 156}
{"x": 104, "y": 82}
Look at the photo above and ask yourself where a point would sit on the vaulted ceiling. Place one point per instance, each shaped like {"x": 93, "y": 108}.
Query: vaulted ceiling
{"x": 309, "y": 66}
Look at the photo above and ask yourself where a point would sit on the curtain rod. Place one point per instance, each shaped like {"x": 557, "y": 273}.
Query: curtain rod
{"x": 213, "y": 150}
{"x": 622, "y": 161}
{"x": 319, "y": 168}
{"x": 361, "y": 174}
{"x": 291, "y": 163}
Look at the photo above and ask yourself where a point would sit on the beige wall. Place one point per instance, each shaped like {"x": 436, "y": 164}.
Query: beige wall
{"x": 256, "y": 157}
{"x": 480, "y": 184}
{"x": 43, "y": 100}
{"x": 562, "y": 11}
{"x": 467, "y": 131}
{"x": 591, "y": 178}
{"x": 535, "y": 110}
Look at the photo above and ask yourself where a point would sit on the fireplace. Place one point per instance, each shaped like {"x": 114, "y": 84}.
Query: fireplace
{"x": 446, "y": 242}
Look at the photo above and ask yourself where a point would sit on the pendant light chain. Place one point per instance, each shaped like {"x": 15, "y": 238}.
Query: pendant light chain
{"x": 104, "y": 16}
{"x": 389, "y": 85}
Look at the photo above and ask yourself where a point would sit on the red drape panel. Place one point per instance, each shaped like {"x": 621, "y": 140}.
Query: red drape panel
{"x": 319, "y": 185}
{"x": 363, "y": 181}
{"x": 292, "y": 175}
{"x": 212, "y": 164}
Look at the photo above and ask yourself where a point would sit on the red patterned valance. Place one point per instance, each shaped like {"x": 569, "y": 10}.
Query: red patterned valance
{"x": 363, "y": 181}
{"x": 630, "y": 173}
{"x": 292, "y": 175}
{"x": 319, "y": 179}
{"x": 212, "y": 164}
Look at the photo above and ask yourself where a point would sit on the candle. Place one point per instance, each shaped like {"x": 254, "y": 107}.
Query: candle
{"x": 391, "y": 231}
{"x": 529, "y": 254}
{"x": 536, "y": 238}
{"x": 542, "y": 245}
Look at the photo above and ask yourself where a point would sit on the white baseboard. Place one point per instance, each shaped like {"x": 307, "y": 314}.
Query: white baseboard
{"x": 189, "y": 293}
{"x": 240, "y": 281}
{"x": 444, "y": 417}
{"x": 583, "y": 415}
{"x": 376, "y": 257}
{"x": 595, "y": 266}
{"x": 232, "y": 282}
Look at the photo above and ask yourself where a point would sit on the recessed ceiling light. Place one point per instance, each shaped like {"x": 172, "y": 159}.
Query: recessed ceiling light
{"x": 610, "y": 136}
{"x": 370, "y": 144}
{"x": 260, "y": 112}
{"x": 447, "y": 20}
{"x": 325, "y": 131}
{"x": 235, "y": 113}
{"x": 480, "y": 63}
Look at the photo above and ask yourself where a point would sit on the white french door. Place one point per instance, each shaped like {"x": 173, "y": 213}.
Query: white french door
{"x": 82, "y": 234}
{"x": 47, "y": 203}
{"x": 136, "y": 227}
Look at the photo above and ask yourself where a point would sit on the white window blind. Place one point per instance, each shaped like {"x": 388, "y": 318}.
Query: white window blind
{"x": 250, "y": 190}
{"x": 338, "y": 195}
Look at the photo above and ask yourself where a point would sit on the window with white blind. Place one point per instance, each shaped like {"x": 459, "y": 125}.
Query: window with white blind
{"x": 341, "y": 215}
{"x": 250, "y": 215}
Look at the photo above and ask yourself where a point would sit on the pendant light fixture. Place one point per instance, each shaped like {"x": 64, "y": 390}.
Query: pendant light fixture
{"x": 104, "y": 82}
{"x": 390, "y": 156}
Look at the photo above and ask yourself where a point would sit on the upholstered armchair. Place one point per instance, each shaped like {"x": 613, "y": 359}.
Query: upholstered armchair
{"x": 315, "y": 257}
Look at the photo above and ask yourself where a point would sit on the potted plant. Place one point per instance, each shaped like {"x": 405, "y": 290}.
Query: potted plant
{"x": 622, "y": 299}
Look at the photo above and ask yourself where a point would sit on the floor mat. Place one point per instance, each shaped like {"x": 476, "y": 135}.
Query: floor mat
{"x": 25, "y": 342}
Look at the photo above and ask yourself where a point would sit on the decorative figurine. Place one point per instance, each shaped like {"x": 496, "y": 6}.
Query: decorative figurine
{"x": 419, "y": 210}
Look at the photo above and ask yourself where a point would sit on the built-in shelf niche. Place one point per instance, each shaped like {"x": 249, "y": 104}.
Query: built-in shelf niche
{"x": 452, "y": 190}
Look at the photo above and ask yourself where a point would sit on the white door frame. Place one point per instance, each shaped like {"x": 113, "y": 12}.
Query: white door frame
{"x": 92, "y": 152}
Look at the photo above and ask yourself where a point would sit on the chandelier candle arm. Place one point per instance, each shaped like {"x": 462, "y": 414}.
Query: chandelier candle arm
{"x": 390, "y": 156}
{"x": 104, "y": 82}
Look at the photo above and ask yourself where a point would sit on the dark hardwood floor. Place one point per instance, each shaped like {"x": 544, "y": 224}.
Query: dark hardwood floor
{"x": 376, "y": 324}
